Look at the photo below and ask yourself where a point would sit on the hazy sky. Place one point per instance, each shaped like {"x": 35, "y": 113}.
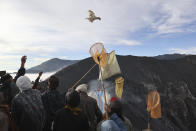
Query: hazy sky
{"x": 44, "y": 29}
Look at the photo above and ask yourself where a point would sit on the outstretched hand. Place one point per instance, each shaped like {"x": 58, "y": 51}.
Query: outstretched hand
{"x": 40, "y": 74}
{"x": 23, "y": 59}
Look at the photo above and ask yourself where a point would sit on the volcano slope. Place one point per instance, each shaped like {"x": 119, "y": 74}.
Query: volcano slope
{"x": 174, "y": 80}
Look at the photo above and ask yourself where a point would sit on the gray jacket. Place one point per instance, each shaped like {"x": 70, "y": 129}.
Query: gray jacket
{"x": 126, "y": 121}
{"x": 28, "y": 111}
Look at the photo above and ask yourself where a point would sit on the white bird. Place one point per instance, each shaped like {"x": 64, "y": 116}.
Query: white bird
{"x": 92, "y": 16}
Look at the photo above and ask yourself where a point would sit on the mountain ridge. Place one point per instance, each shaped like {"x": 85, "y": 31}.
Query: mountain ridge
{"x": 173, "y": 79}
{"x": 56, "y": 64}
{"x": 51, "y": 65}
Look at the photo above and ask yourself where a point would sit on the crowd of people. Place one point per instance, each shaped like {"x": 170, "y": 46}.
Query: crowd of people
{"x": 24, "y": 107}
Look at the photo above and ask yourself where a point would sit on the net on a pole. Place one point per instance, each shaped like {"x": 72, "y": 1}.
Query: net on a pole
{"x": 153, "y": 104}
{"x": 99, "y": 54}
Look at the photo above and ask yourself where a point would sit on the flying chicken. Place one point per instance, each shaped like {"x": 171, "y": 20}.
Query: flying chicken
{"x": 92, "y": 16}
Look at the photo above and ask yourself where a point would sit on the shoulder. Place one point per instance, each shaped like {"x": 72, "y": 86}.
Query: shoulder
{"x": 36, "y": 91}
{"x": 18, "y": 96}
{"x": 45, "y": 93}
{"x": 51, "y": 94}
{"x": 109, "y": 125}
{"x": 17, "y": 100}
{"x": 92, "y": 99}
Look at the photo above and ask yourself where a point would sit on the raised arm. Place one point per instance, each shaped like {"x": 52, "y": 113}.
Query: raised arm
{"x": 37, "y": 80}
{"x": 21, "y": 71}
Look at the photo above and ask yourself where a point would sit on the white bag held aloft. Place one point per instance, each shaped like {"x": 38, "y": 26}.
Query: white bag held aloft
{"x": 111, "y": 68}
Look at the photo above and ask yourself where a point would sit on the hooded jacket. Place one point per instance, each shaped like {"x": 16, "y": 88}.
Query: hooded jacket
{"x": 27, "y": 108}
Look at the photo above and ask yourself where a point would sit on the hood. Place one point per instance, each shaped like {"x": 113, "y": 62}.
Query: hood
{"x": 23, "y": 83}
{"x": 82, "y": 88}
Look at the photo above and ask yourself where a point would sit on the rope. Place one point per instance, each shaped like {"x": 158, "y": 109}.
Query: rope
{"x": 84, "y": 75}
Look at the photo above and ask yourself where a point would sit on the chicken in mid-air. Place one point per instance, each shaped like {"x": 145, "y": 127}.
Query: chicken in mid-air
{"x": 92, "y": 16}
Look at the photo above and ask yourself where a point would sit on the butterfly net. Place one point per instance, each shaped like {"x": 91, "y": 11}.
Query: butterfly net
{"x": 99, "y": 54}
{"x": 153, "y": 104}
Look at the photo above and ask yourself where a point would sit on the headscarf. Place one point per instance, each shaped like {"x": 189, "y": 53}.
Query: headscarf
{"x": 82, "y": 88}
{"x": 23, "y": 83}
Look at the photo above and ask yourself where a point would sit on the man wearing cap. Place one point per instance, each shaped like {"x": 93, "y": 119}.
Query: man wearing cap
{"x": 71, "y": 117}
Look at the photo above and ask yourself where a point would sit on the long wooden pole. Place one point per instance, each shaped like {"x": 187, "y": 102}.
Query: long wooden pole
{"x": 102, "y": 83}
{"x": 84, "y": 75}
{"x": 149, "y": 121}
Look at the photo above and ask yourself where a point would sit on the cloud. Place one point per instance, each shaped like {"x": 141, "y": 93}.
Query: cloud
{"x": 129, "y": 42}
{"x": 40, "y": 59}
{"x": 191, "y": 50}
{"x": 48, "y": 28}
{"x": 6, "y": 57}
{"x": 174, "y": 16}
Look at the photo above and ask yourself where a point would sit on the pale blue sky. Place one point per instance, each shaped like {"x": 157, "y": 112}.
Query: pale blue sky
{"x": 44, "y": 29}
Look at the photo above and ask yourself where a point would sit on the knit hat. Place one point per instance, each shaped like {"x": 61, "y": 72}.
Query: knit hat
{"x": 82, "y": 88}
{"x": 24, "y": 83}
{"x": 116, "y": 107}
{"x": 73, "y": 98}
{"x": 113, "y": 99}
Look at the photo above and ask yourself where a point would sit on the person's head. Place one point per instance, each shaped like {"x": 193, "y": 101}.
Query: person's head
{"x": 82, "y": 88}
{"x": 53, "y": 82}
{"x": 113, "y": 99}
{"x": 72, "y": 98}
{"x": 116, "y": 106}
{"x": 23, "y": 83}
{"x": 6, "y": 78}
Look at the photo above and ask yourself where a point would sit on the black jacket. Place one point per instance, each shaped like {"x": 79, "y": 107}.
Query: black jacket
{"x": 90, "y": 109}
{"x": 10, "y": 89}
{"x": 65, "y": 120}
{"x": 21, "y": 72}
{"x": 52, "y": 101}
